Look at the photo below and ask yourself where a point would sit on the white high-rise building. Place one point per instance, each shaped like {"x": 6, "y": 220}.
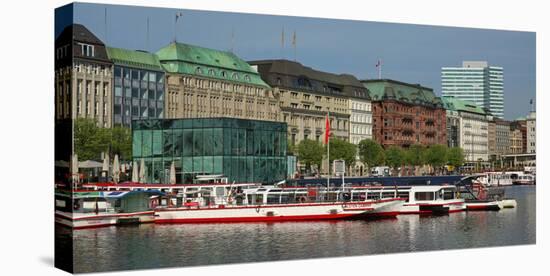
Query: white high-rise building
{"x": 476, "y": 82}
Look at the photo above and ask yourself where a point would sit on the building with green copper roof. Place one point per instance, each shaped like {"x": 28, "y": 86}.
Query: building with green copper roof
{"x": 188, "y": 59}
{"x": 138, "y": 88}
{"x": 135, "y": 59}
{"x": 204, "y": 82}
{"x": 455, "y": 104}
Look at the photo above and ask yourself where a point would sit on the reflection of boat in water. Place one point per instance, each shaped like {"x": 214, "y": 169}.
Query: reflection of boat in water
{"x": 85, "y": 209}
{"x": 480, "y": 197}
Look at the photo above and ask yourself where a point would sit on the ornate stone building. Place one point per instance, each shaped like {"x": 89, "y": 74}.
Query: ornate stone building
{"x": 204, "y": 82}
{"x": 307, "y": 95}
{"x": 83, "y": 77}
{"x": 405, "y": 114}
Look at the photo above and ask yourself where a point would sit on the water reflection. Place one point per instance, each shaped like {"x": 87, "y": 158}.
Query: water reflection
{"x": 150, "y": 246}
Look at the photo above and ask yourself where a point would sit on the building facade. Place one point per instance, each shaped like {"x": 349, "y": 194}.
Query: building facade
{"x": 405, "y": 114}
{"x": 476, "y": 82}
{"x": 492, "y": 140}
{"x": 83, "y": 77}
{"x": 473, "y": 128}
{"x": 360, "y": 119}
{"x": 138, "y": 86}
{"x": 242, "y": 150}
{"x": 516, "y": 139}
{"x": 502, "y": 146}
{"x": 306, "y": 96}
{"x": 453, "y": 128}
{"x": 204, "y": 82}
{"x": 531, "y": 122}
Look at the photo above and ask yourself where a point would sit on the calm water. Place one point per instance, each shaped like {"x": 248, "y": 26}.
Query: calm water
{"x": 151, "y": 246}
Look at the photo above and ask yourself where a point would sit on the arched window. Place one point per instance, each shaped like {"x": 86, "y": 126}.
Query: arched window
{"x": 235, "y": 76}
{"x": 246, "y": 77}
{"x": 211, "y": 72}
{"x": 198, "y": 70}
{"x": 224, "y": 74}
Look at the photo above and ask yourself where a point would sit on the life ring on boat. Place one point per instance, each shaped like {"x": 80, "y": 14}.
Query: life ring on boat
{"x": 302, "y": 199}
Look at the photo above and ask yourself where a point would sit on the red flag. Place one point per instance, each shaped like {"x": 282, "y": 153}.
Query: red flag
{"x": 327, "y": 130}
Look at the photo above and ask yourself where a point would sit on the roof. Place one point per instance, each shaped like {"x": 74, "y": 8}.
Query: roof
{"x": 385, "y": 89}
{"x": 294, "y": 75}
{"x": 136, "y": 59}
{"x": 452, "y": 103}
{"x": 194, "y": 60}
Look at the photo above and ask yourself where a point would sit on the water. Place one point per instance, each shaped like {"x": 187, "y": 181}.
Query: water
{"x": 153, "y": 246}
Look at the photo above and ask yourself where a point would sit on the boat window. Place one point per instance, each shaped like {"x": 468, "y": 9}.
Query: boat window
{"x": 424, "y": 196}
{"x": 358, "y": 196}
{"x": 404, "y": 195}
{"x": 285, "y": 198}
{"x": 448, "y": 194}
{"x": 273, "y": 198}
{"x": 60, "y": 203}
{"x": 388, "y": 194}
{"x": 373, "y": 195}
{"x": 220, "y": 191}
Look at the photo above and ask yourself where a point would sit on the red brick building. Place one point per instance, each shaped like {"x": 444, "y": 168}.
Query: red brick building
{"x": 405, "y": 114}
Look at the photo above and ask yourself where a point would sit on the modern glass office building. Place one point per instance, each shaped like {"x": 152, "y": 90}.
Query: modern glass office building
{"x": 476, "y": 82}
{"x": 138, "y": 86}
{"x": 242, "y": 150}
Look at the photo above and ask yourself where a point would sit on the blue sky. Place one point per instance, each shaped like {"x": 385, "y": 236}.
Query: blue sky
{"x": 410, "y": 53}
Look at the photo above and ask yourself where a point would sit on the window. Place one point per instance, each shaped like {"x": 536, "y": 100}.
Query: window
{"x": 87, "y": 49}
{"x": 424, "y": 196}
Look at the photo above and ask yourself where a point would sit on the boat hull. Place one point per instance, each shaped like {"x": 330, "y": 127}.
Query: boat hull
{"x": 82, "y": 221}
{"x": 276, "y": 213}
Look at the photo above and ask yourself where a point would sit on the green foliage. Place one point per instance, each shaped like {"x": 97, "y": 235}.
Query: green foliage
{"x": 415, "y": 155}
{"x": 309, "y": 152}
{"x": 89, "y": 140}
{"x": 371, "y": 153}
{"x": 436, "y": 155}
{"x": 455, "y": 157}
{"x": 395, "y": 156}
{"x": 121, "y": 142}
{"x": 340, "y": 149}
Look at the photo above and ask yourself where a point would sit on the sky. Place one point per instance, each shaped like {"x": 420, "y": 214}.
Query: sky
{"x": 409, "y": 53}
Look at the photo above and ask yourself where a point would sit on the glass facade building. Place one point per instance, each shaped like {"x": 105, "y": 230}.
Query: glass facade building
{"x": 138, "y": 94}
{"x": 242, "y": 150}
{"x": 139, "y": 85}
{"x": 476, "y": 82}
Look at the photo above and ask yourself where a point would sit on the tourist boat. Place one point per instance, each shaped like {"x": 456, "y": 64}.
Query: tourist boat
{"x": 430, "y": 200}
{"x": 524, "y": 179}
{"x": 229, "y": 203}
{"x": 494, "y": 179}
{"x": 87, "y": 209}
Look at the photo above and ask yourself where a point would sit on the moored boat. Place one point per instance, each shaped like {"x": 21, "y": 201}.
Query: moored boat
{"x": 87, "y": 209}
{"x": 270, "y": 204}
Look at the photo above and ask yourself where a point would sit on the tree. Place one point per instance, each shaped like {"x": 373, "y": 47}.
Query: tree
{"x": 121, "y": 142}
{"x": 89, "y": 140}
{"x": 340, "y": 149}
{"x": 436, "y": 156}
{"x": 455, "y": 157}
{"x": 310, "y": 152}
{"x": 395, "y": 157}
{"x": 415, "y": 156}
{"x": 371, "y": 153}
